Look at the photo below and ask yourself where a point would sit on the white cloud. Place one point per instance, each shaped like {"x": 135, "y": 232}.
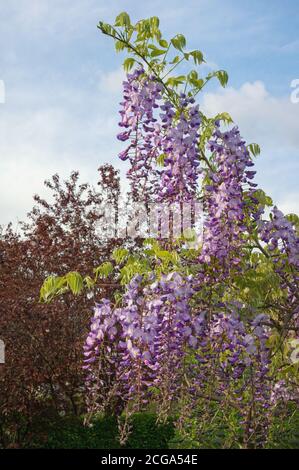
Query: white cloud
{"x": 261, "y": 117}
{"x": 112, "y": 81}
{"x": 273, "y": 122}
{"x": 2, "y": 92}
{"x": 289, "y": 203}
{"x": 38, "y": 140}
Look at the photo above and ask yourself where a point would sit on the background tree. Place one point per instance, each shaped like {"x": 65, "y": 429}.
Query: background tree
{"x": 44, "y": 341}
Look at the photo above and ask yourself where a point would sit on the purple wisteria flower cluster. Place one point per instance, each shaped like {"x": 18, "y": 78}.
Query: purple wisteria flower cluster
{"x": 156, "y": 129}
{"x": 224, "y": 199}
{"x": 239, "y": 342}
{"x": 179, "y": 144}
{"x": 140, "y": 100}
{"x": 283, "y": 244}
{"x": 130, "y": 350}
{"x": 279, "y": 232}
{"x": 233, "y": 366}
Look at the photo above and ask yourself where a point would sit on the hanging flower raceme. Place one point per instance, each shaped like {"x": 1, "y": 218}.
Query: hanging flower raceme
{"x": 283, "y": 244}
{"x": 174, "y": 335}
{"x": 141, "y": 345}
{"x": 238, "y": 345}
{"x": 101, "y": 359}
{"x": 279, "y": 233}
{"x": 179, "y": 145}
{"x": 140, "y": 99}
{"x": 172, "y": 133}
{"x": 232, "y": 367}
{"x": 284, "y": 392}
{"x": 224, "y": 199}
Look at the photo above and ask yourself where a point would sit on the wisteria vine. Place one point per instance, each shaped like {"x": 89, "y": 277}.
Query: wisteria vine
{"x": 169, "y": 342}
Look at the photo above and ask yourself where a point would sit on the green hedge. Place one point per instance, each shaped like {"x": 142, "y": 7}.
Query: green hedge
{"x": 69, "y": 433}
{"x": 48, "y": 430}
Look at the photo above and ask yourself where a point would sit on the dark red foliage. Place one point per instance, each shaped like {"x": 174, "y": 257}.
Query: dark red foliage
{"x": 44, "y": 341}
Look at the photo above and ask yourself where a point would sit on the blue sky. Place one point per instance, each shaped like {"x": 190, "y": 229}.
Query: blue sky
{"x": 63, "y": 85}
